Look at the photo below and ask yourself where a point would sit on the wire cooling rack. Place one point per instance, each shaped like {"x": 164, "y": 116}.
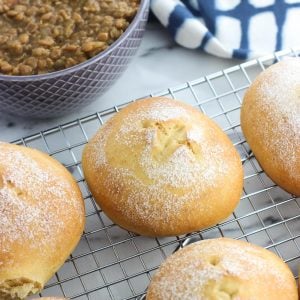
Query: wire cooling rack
{"x": 111, "y": 263}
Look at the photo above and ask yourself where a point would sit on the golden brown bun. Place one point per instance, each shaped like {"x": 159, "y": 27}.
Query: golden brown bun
{"x": 41, "y": 219}
{"x": 160, "y": 167}
{"x": 270, "y": 120}
{"x": 223, "y": 269}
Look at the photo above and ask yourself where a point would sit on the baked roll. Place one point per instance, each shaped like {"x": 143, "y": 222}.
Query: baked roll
{"x": 270, "y": 119}
{"x": 161, "y": 168}
{"x": 42, "y": 217}
{"x": 223, "y": 269}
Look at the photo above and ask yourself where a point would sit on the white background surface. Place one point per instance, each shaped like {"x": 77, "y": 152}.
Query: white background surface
{"x": 159, "y": 64}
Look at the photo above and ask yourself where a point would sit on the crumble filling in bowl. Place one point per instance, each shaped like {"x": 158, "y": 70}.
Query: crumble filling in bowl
{"x": 43, "y": 36}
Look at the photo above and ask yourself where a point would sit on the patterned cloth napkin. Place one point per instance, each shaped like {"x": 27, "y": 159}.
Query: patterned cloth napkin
{"x": 231, "y": 28}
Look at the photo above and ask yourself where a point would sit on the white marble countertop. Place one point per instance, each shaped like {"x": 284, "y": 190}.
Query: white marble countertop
{"x": 159, "y": 64}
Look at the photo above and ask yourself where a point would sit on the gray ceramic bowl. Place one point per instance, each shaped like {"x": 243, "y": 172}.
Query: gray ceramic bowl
{"x": 61, "y": 92}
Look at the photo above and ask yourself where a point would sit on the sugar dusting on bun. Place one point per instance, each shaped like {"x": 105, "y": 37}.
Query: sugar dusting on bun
{"x": 157, "y": 162}
{"x": 270, "y": 119}
{"x": 223, "y": 269}
{"x": 41, "y": 219}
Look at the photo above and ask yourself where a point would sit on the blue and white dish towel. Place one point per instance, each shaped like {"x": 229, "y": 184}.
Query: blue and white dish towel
{"x": 231, "y": 28}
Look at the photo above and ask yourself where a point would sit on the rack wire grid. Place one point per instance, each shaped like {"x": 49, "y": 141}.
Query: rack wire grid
{"x": 111, "y": 263}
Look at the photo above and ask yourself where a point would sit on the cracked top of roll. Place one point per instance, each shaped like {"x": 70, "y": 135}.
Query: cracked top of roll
{"x": 160, "y": 167}
{"x": 223, "y": 269}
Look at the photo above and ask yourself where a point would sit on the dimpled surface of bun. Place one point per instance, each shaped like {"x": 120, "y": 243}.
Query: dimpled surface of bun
{"x": 270, "y": 120}
{"x": 160, "y": 167}
{"x": 41, "y": 219}
{"x": 223, "y": 269}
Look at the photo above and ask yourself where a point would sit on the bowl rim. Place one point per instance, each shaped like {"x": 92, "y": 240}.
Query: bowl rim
{"x": 142, "y": 7}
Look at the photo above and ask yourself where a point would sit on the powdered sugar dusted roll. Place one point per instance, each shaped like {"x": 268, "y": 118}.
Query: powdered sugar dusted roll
{"x": 270, "y": 120}
{"x": 223, "y": 269}
{"x": 41, "y": 219}
{"x": 160, "y": 167}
